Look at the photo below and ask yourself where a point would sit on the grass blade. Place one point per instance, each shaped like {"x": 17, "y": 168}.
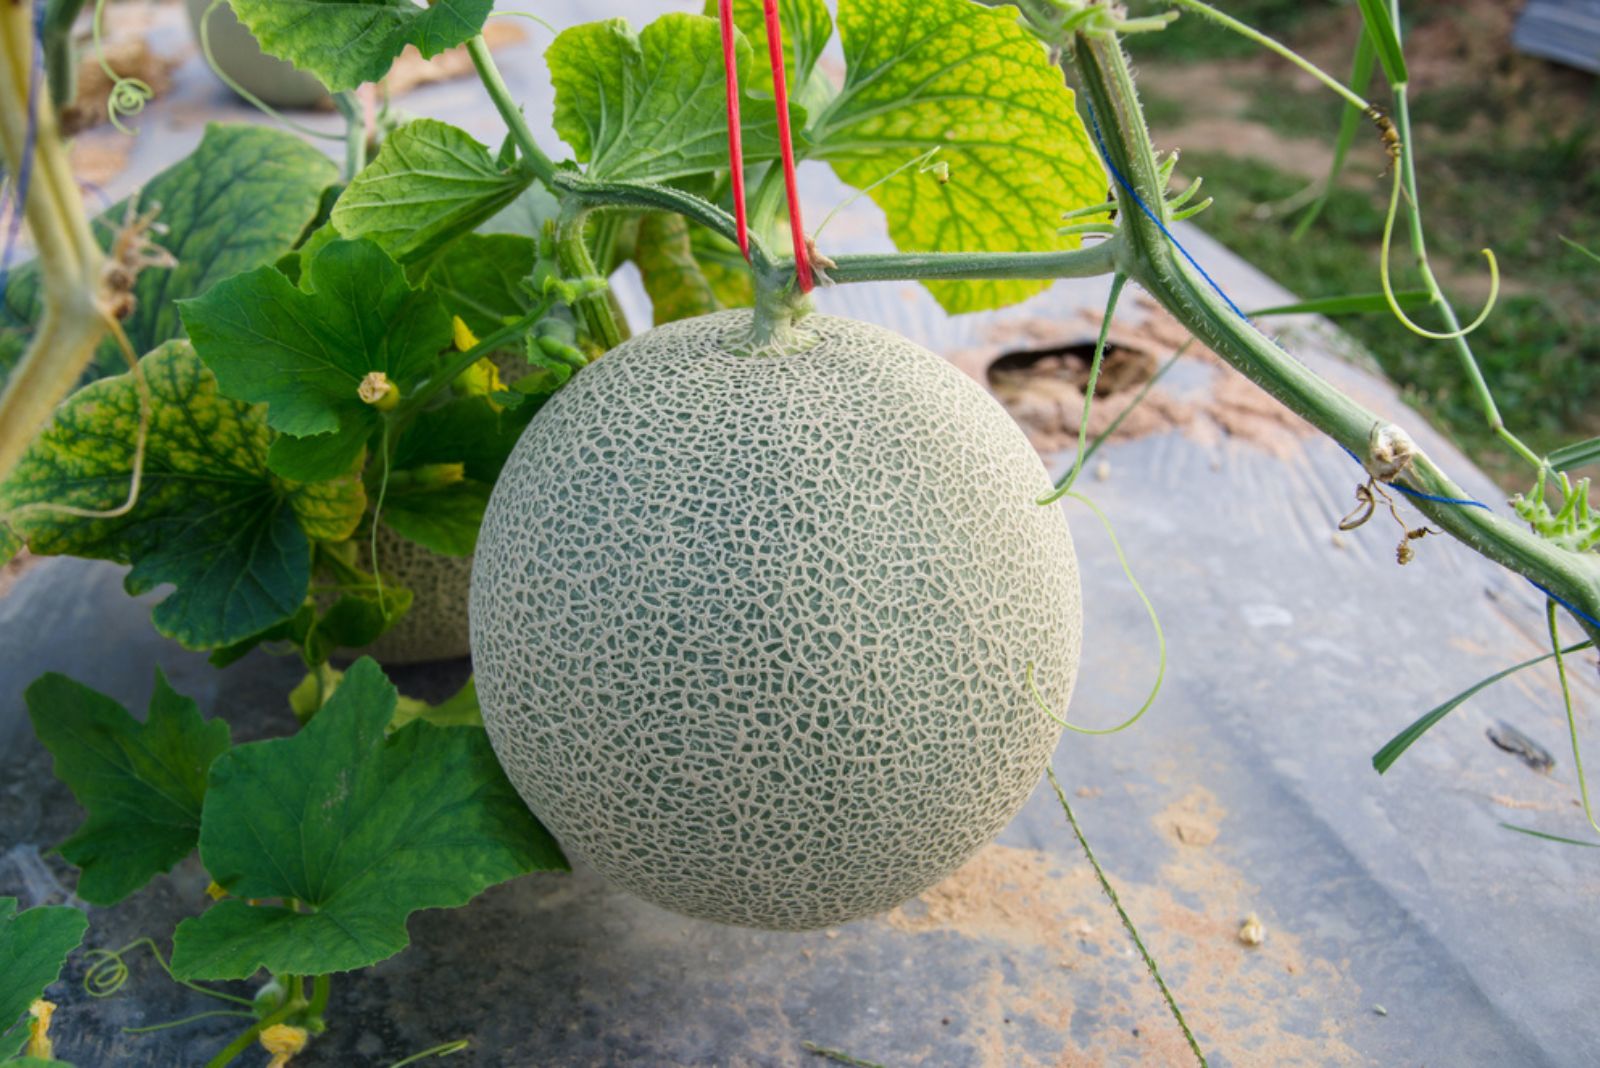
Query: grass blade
{"x": 1133, "y": 932}
{"x": 1529, "y": 831}
{"x": 1350, "y": 120}
{"x": 1352, "y": 304}
{"x": 1570, "y": 456}
{"x": 1380, "y": 27}
{"x": 1384, "y": 758}
{"x": 1580, "y": 248}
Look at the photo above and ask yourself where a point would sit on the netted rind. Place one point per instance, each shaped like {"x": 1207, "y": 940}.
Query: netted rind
{"x": 751, "y": 632}
{"x": 435, "y": 627}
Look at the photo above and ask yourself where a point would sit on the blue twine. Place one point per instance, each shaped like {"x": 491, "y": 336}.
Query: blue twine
{"x": 24, "y": 175}
{"x": 1152, "y": 216}
{"x": 1461, "y": 502}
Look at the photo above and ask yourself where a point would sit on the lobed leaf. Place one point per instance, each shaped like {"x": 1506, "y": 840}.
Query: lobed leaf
{"x": 303, "y": 351}
{"x": 142, "y": 784}
{"x": 34, "y": 946}
{"x": 364, "y": 828}
{"x": 348, "y": 42}
{"x": 211, "y": 520}
{"x": 971, "y": 82}
{"x": 652, "y": 106}
{"x": 429, "y": 183}
{"x": 241, "y": 199}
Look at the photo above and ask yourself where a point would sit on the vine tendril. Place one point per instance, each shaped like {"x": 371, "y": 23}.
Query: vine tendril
{"x": 1388, "y": 286}
{"x": 128, "y": 95}
{"x": 1155, "y": 621}
{"x": 108, "y": 972}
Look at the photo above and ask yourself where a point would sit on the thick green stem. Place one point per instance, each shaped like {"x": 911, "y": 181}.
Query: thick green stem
{"x": 595, "y": 309}
{"x": 72, "y": 323}
{"x": 1149, "y": 257}
{"x": 650, "y": 197}
{"x": 533, "y": 157}
{"x": 1088, "y": 262}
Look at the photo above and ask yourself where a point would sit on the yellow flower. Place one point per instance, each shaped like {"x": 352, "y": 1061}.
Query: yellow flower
{"x": 283, "y": 1042}
{"x": 39, "y": 1044}
{"x": 465, "y": 339}
{"x": 215, "y": 891}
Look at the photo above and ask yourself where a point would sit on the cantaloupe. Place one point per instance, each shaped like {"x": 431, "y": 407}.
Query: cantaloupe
{"x": 751, "y": 632}
{"x": 435, "y": 626}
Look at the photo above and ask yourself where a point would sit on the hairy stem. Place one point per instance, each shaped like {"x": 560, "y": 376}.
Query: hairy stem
{"x": 533, "y": 157}
{"x": 69, "y": 259}
{"x": 1149, "y": 257}
{"x": 1088, "y": 262}
{"x": 595, "y": 309}
{"x": 651, "y": 197}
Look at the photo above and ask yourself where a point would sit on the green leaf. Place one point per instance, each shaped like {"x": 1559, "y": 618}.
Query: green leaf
{"x": 362, "y": 830}
{"x": 347, "y": 42}
{"x": 1353, "y": 304}
{"x": 460, "y": 709}
{"x": 971, "y": 82}
{"x": 240, "y": 200}
{"x": 1376, "y": 17}
{"x": 34, "y": 946}
{"x": 304, "y": 351}
{"x": 141, "y": 783}
{"x": 430, "y": 183}
{"x": 1384, "y": 758}
{"x": 807, "y": 26}
{"x": 356, "y": 619}
{"x": 211, "y": 519}
{"x": 468, "y": 431}
{"x": 480, "y": 279}
{"x": 1576, "y": 455}
{"x": 323, "y": 456}
{"x": 653, "y": 106}
{"x": 444, "y": 519}
{"x": 673, "y": 278}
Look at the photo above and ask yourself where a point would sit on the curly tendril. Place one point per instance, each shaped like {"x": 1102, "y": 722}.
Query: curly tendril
{"x": 128, "y": 95}
{"x": 1388, "y": 286}
{"x": 1155, "y": 621}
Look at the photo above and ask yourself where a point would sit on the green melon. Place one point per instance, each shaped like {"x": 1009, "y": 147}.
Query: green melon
{"x": 435, "y": 626}
{"x": 751, "y": 632}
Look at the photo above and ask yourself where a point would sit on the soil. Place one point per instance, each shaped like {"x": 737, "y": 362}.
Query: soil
{"x": 1039, "y": 368}
{"x": 1238, "y": 997}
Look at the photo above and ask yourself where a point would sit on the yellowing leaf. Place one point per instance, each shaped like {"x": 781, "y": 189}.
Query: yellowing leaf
{"x": 211, "y": 520}
{"x": 970, "y": 81}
